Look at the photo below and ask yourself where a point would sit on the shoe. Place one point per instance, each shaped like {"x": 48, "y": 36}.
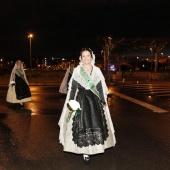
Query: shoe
{"x": 86, "y": 159}
{"x": 21, "y": 105}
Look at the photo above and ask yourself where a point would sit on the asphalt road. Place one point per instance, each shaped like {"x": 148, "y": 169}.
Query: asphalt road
{"x": 29, "y": 136}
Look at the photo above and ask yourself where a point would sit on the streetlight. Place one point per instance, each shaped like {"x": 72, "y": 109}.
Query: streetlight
{"x": 30, "y": 36}
{"x": 1, "y": 61}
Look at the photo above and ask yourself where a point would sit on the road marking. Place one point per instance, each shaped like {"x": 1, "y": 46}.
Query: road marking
{"x": 163, "y": 95}
{"x": 158, "y": 92}
{"x": 141, "y": 103}
{"x": 156, "y": 88}
{"x": 146, "y": 85}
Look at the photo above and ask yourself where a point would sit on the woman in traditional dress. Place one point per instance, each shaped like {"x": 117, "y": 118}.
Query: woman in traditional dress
{"x": 18, "y": 91}
{"x": 91, "y": 131}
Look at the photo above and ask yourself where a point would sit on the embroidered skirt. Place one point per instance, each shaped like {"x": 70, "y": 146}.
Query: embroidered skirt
{"x": 89, "y": 132}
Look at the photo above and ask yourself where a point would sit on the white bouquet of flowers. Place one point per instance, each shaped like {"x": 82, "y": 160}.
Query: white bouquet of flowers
{"x": 73, "y": 106}
{"x": 12, "y": 83}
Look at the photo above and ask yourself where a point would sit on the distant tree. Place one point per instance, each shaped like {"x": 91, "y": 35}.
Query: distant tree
{"x": 123, "y": 48}
{"x": 156, "y": 46}
{"x": 108, "y": 44}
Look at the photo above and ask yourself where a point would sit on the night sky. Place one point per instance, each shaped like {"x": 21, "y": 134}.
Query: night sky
{"x": 62, "y": 27}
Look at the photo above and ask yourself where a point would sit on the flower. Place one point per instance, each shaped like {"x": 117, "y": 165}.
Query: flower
{"x": 73, "y": 106}
{"x": 12, "y": 82}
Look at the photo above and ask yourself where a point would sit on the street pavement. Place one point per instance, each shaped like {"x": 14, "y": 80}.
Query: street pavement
{"x": 29, "y": 135}
{"x": 152, "y": 90}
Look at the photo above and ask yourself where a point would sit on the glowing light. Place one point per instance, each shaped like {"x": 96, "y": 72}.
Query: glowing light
{"x": 112, "y": 67}
{"x": 30, "y": 36}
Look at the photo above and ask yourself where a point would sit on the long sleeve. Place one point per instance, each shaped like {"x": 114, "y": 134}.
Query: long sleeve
{"x": 100, "y": 90}
{"x": 74, "y": 86}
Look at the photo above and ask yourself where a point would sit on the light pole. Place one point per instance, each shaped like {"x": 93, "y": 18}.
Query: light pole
{"x": 108, "y": 57}
{"x": 30, "y": 36}
{"x": 151, "y": 57}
